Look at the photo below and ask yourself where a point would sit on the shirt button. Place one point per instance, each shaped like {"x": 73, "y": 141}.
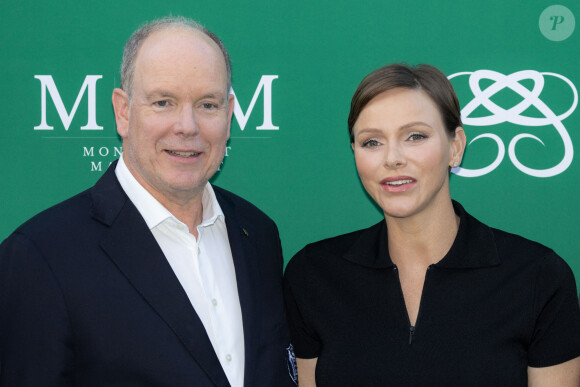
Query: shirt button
{"x": 214, "y": 303}
{"x": 229, "y": 357}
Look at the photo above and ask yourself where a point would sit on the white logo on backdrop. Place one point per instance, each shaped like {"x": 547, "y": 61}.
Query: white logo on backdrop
{"x": 49, "y": 91}
{"x": 242, "y": 118}
{"x": 515, "y": 116}
{"x": 47, "y": 83}
{"x": 90, "y": 86}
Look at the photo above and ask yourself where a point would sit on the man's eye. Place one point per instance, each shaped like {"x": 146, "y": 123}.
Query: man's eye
{"x": 209, "y": 105}
{"x": 161, "y": 103}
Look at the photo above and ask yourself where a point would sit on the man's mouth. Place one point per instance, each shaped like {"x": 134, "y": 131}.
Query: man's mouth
{"x": 182, "y": 154}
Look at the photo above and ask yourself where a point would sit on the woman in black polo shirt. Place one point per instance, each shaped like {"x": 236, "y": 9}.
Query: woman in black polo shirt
{"x": 429, "y": 296}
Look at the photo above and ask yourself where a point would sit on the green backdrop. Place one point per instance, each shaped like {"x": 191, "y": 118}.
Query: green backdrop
{"x": 308, "y": 58}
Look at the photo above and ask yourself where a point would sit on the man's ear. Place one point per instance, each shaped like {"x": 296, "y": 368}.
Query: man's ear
{"x": 121, "y": 108}
{"x": 230, "y": 112}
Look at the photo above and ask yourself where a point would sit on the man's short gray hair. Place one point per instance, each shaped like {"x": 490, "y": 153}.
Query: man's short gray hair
{"x": 138, "y": 37}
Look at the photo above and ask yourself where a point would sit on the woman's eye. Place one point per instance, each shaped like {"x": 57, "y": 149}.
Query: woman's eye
{"x": 417, "y": 137}
{"x": 370, "y": 143}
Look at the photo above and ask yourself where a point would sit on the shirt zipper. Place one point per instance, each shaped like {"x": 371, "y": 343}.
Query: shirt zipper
{"x": 412, "y": 328}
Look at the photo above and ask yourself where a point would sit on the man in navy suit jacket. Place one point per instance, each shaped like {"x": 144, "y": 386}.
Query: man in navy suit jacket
{"x": 95, "y": 292}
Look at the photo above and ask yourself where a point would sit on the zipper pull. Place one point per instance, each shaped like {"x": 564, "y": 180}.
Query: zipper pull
{"x": 411, "y": 333}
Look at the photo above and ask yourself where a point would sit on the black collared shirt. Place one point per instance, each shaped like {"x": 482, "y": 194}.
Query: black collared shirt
{"x": 494, "y": 305}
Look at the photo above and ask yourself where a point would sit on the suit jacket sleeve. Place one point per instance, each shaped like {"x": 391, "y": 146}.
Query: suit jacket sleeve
{"x": 35, "y": 336}
{"x": 274, "y": 362}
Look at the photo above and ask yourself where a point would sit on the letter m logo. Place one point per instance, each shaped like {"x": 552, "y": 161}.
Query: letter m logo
{"x": 266, "y": 85}
{"x": 89, "y": 85}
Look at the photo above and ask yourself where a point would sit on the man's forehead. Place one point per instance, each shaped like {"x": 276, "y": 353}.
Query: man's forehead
{"x": 173, "y": 38}
{"x": 179, "y": 56}
{"x": 178, "y": 44}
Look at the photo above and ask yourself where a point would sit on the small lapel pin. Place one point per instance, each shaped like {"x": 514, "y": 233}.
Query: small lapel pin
{"x": 245, "y": 232}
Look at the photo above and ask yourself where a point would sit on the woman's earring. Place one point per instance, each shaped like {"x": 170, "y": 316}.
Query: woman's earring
{"x": 455, "y": 164}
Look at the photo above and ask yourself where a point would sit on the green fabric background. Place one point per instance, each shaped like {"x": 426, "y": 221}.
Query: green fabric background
{"x": 303, "y": 174}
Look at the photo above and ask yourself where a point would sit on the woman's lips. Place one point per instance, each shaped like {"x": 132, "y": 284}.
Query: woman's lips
{"x": 398, "y": 184}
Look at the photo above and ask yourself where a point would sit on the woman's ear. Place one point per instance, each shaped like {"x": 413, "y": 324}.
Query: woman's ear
{"x": 458, "y": 144}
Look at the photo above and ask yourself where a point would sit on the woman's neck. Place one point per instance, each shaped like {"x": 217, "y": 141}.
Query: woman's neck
{"x": 424, "y": 238}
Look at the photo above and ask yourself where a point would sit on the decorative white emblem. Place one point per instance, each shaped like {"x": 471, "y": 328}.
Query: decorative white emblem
{"x": 515, "y": 116}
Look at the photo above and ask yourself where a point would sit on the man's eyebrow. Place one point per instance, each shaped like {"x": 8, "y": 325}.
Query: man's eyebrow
{"x": 214, "y": 95}
{"x": 158, "y": 94}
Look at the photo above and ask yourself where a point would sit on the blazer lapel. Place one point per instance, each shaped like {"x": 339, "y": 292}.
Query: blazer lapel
{"x": 247, "y": 277}
{"x": 133, "y": 249}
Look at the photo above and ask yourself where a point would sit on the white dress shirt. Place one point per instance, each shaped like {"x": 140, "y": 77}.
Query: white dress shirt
{"x": 204, "y": 267}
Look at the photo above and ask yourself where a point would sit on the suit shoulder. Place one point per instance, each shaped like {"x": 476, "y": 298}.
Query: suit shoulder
{"x": 229, "y": 201}
{"x": 57, "y": 218}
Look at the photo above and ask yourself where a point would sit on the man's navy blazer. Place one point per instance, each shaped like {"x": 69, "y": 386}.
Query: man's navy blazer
{"x": 87, "y": 298}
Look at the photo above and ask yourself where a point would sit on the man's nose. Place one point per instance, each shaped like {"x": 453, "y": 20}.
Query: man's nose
{"x": 186, "y": 123}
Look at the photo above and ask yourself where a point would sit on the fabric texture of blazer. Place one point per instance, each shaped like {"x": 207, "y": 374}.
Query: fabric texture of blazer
{"x": 87, "y": 298}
